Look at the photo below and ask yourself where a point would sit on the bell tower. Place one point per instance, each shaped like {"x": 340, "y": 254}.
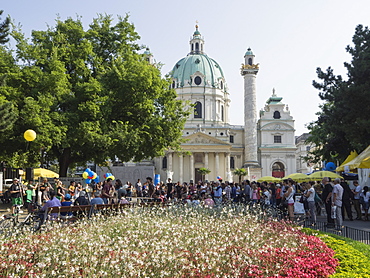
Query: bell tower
{"x": 249, "y": 71}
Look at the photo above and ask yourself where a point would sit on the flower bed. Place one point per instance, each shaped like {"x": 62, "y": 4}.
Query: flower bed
{"x": 353, "y": 256}
{"x": 174, "y": 242}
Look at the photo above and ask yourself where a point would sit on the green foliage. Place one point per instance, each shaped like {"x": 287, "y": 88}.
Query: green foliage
{"x": 343, "y": 121}
{"x": 89, "y": 95}
{"x": 241, "y": 173}
{"x": 204, "y": 171}
{"x": 4, "y": 29}
{"x": 352, "y": 263}
{"x": 8, "y": 115}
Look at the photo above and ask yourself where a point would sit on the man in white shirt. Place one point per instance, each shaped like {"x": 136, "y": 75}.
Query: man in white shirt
{"x": 336, "y": 196}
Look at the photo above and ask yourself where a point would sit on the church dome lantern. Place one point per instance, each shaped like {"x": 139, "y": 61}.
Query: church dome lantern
{"x": 197, "y": 69}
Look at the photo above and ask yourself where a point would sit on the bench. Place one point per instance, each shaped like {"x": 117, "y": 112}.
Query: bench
{"x": 70, "y": 212}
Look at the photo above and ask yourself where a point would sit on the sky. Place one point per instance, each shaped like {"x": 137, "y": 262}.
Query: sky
{"x": 290, "y": 39}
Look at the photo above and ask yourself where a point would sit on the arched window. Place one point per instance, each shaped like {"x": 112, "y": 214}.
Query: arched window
{"x": 222, "y": 113}
{"x": 277, "y": 115}
{"x": 221, "y": 85}
{"x": 278, "y": 170}
{"x": 196, "y": 46}
{"x": 198, "y": 110}
{"x": 250, "y": 61}
{"x": 192, "y": 47}
{"x": 173, "y": 84}
{"x": 201, "y": 47}
{"x": 164, "y": 162}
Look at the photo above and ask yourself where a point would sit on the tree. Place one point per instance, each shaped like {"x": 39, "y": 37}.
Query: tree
{"x": 90, "y": 95}
{"x": 8, "y": 115}
{"x": 4, "y": 29}
{"x": 241, "y": 173}
{"x": 344, "y": 120}
{"x": 203, "y": 171}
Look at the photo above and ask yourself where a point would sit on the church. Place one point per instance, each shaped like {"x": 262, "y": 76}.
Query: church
{"x": 264, "y": 145}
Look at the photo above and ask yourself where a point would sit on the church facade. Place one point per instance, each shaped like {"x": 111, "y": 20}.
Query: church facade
{"x": 264, "y": 146}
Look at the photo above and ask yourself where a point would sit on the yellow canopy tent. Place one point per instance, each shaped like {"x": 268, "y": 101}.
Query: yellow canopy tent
{"x": 322, "y": 174}
{"x": 269, "y": 179}
{"x": 42, "y": 173}
{"x": 361, "y": 161}
{"x": 299, "y": 177}
{"x": 351, "y": 157}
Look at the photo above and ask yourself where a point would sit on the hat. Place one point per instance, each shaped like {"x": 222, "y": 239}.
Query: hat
{"x": 97, "y": 194}
{"x": 15, "y": 179}
{"x": 278, "y": 185}
{"x": 67, "y": 197}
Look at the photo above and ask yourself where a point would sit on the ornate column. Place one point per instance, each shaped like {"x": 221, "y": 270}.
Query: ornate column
{"x": 181, "y": 167}
{"x": 249, "y": 71}
{"x": 217, "y": 164}
{"x": 206, "y": 165}
{"x": 229, "y": 176}
{"x": 192, "y": 167}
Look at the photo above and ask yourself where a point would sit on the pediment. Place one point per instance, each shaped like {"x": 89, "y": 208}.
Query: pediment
{"x": 200, "y": 138}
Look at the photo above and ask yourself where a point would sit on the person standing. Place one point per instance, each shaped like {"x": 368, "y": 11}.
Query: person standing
{"x": 139, "y": 188}
{"x": 289, "y": 196}
{"x": 366, "y": 195}
{"x": 15, "y": 194}
{"x": 347, "y": 198}
{"x": 32, "y": 188}
{"x": 218, "y": 194}
{"x": 106, "y": 191}
{"x": 170, "y": 189}
{"x": 310, "y": 195}
{"x": 336, "y": 202}
{"x": 247, "y": 191}
{"x": 150, "y": 187}
{"x": 326, "y": 197}
{"x": 278, "y": 195}
{"x": 356, "y": 199}
{"x": 228, "y": 193}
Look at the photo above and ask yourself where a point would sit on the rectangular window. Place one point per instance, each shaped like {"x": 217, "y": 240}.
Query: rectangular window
{"x": 277, "y": 139}
{"x": 231, "y": 138}
{"x": 232, "y": 162}
{"x": 308, "y": 148}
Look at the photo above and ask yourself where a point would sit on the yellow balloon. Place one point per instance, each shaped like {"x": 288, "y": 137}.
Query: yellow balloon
{"x": 85, "y": 175}
{"x": 111, "y": 177}
{"x": 29, "y": 135}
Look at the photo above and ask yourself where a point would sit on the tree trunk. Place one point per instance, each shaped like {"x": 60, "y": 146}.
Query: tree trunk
{"x": 64, "y": 161}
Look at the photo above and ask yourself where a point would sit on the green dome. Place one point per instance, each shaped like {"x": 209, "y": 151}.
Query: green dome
{"x": 188, "y": 66}
{"x": 249, "y": 52}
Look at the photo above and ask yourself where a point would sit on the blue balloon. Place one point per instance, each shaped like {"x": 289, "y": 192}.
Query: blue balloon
{"x": 97, "y": 179}
{"x": 330, "y": 166}
{"x": 87, "y": 181}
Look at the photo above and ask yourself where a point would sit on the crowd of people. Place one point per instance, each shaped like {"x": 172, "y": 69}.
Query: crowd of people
{"x": 336, "y": 196}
